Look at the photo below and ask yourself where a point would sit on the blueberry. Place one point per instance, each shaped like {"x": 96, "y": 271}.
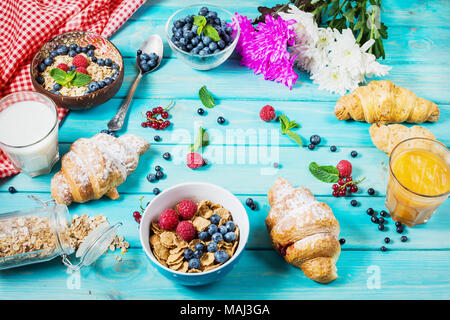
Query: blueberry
{"x": 212, "y": 14}
{"x": 383, "y": 213}
{"x": 108, "y": 81}
{"x": 72, "y": 67}
{"x": 229, "y": 30}
{"x": 194, "y": 263}
{"x": 206, "y": 40}
{"x": 203, "y": 11}
{"x": 216, "y": 51}
{"x": 369, "y": 211}
{"x": 387, "y": 240}
{"x": 188, "y": 254}
{"x": 215, "y": 219}
{"x": 90, "y": 47}
{"x": 315, "y": 139}
{"x": 55, "y": 92}
{"x": 221, "y": 44}
{"x": 199, "y": 246}
{"x": 383, "y": 248}
{"x": 212, "y": 229}
{"x": 249, "y": 201}
{"x": 194, "y": 42}
{"x": 156, "y": 191}
{"x": 194, "y": 29}
{"x": 221, "y": 256}
{"x": 100, "y": 62}
{"x": 183, "y": 41}
{"x": 371, "y": 191}
{"x": 374, "y": 219}
{"x": 94, "y": 59}
{"x": 93, "y": 86}
{"x": 399, "y": 230}
{"x": 143, "y": 57}
{"x": 57, "y": 86}
{"x": 115, "y": 66}
{"x": 230, "y": 236}
{"x": 73, "y": 46}
{"x": 151, "y": 177}
{"x": 212, "y": 247}
{"x": 166, "y": 156}
{"x": 253, "y": 207}
{"x": 90, "y": 53}
{"x": 354, "y": 203}
{"x": 101, "y": 83}
{"x": 200, "y": 45}
{"x": 78, "y": 49}
{"x": 84, "y": 49}
{"x": 153, "y": 56}
{"x": 398, "y": 224}
{"x": 311, "y": 146}
{"x": 223, "y": 230}
{"x": 381, "y": 227}
{"x": 12, "y": 190}
{"x": 212, "y": 46}
{"x": 159, "y": 174}
{"x": 157, "y": 138}
{"x": 144, "y": 66}
{"x": 353, "y": 154}
{"x": 230, "y": 226}
{"x": 220, "y": 120}
{"x": 204, "y": 236}
{"x": 404, "y": 239}
{"x": 198, "y": 254}
{"x": 333, "y": 148}
{"x": 203, "y": 52}
{"x": 195, "y": 51}
{"x": 187, "y": 27}
{"x": 158, "y": 168}
{"x": 189, "y": 35}
{"x": 108, "y": 62}
{"x": 217, "y": 237}
{"x": 381, "y": 220}
{"x": 200, "y": 111}
{"x": 72, "y": 53}
{"x": 342, "y": 241}
{"x": 111, "y": 133}
{"x": 179, "y": 24}
{"x": 152, "y": 63}
{"x": 54, "y": 54}
{"x": 41, "y": 67}
{"x": 39, "y": 79}
{"x": 138, "y": 52}
{"x": 48, "y": 61}
{"x": 62, "y": 49}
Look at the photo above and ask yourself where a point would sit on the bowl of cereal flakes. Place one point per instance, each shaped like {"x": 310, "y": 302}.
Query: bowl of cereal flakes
{"x": 77, "y": 70}
{"x": 194, "y": 233}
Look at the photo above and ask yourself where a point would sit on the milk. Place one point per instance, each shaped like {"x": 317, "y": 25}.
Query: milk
{"x": 29, "y": 135}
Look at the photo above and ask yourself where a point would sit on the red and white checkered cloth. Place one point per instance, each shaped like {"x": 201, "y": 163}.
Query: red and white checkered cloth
{"x": 25, "y": 25}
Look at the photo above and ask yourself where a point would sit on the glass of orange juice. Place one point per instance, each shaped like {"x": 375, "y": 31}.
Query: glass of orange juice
{"x": 419, "y": 180}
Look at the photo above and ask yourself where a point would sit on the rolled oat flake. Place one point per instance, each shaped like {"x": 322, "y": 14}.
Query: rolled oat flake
{"x": 44, "y": 233}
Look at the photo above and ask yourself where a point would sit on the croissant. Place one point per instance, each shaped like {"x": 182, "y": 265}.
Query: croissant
{"x": 383, "y": 102}
{"x": 95, "y": 167}
{"x": 386, "y": 137}
{"x": 304, "y": 231}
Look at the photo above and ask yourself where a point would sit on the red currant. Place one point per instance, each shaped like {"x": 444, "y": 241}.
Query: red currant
{"x": 342, "y": 193}
{"x": 167, "y": 123}
{"x": 155, "y": 125}
{"x": 354, "y": 188}
{"x": 335, "y": 187}
{"x": 155, "y": 110}
{"x": 335, "y": 193}
{"x": 341, "y": 182}
{"x": 149, "y": 114}
{"x": 136, "y": 214}
{"x": 348, "y": 179}
{"x": 159, "y": 110}
{"x": 164, "y": 115}
{"x": 144, "y": 124}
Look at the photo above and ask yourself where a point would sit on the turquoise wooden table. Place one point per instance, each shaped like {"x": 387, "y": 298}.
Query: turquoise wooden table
{"x": 418, "y": 48}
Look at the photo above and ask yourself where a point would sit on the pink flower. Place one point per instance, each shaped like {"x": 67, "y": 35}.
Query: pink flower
{"x": 264, "y": 48}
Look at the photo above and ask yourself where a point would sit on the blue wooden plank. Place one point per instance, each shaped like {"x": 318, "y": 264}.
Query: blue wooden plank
{"x": 356, "y": 228}
{"x": 258, "y": 275}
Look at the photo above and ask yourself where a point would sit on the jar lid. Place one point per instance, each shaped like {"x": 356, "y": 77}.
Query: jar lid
{"x": 96, "y": 243}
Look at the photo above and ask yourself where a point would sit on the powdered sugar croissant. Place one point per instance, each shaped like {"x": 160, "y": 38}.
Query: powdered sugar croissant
{"x": 304, "y": 231}
{"x": 384, "y": 102}
{"x": 95, "y": 167}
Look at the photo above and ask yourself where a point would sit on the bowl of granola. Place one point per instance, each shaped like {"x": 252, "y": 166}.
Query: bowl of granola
{"x": 194, "y": 233}
{"x": 77, "y": 70}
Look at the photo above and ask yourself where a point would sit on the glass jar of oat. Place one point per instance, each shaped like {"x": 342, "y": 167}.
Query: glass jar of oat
{"x": 43, "y": 233}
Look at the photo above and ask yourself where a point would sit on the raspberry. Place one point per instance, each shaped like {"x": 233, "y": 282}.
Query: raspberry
{"x": 345, "y": 168}
{"x": 194, "y": 160}
{"x": 168, "y": 219}
{"x": 267, "y": 113}
{"x": 80, "y": 61}
{"x": 82, "y": 70}
{"x": 187, "y": 209}
{"x": 64, "y": 67}
{"x": 186, "y": 230}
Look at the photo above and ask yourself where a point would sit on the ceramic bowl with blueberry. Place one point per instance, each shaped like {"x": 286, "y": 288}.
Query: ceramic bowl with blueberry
{"x": 194, "y": 249}
{"x": 202, "y": 36}
{"x": 78, "y": 70}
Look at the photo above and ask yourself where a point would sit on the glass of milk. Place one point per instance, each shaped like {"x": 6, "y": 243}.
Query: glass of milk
{"x": 29, "y": 131}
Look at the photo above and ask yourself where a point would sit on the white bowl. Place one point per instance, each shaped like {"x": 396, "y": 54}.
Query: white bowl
{"x": 195, "y": 191}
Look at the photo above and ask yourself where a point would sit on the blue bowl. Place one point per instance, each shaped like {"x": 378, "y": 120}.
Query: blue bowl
{"x": 195, "y": 191}
{"x": 196, "y": 61}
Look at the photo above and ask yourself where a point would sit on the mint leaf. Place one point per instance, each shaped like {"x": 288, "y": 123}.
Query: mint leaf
{"x": 294, "y": 137}
{"x": 200, "y": 21}
{"x": 284, "y": 121}
{"x": 292, "y": 125}
{"x": 206, "y": 98}
{"x": 211, "y": 32}
{"x": 328, "y": 174}
{"x": 202, "y": 140}
{"x": 59, "y": 75}
{"x": 81, "y": 79}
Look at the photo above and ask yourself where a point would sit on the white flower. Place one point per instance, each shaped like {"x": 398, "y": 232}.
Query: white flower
{"x": 334, "y": 59}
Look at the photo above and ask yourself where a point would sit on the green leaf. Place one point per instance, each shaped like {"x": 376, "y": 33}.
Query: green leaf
{"x": 202, "y": 140}
{"x": 199, "y": 21}
{"x": 206, "y": 98}
{"x": 284, "y": 121}
{"x": 59, "y": 75}
{"x": 81, "y": 79}
{"x": 211, "y": 32}
{"x": 328, "y": 174}
{"x": 293, "y": 125}
{"x": 294, "y": 137}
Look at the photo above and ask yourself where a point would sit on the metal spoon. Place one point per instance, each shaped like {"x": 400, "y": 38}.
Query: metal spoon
{"x": 152, "y": 44}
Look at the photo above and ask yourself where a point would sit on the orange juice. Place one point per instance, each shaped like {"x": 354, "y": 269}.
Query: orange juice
{"x": 419, "y": 180}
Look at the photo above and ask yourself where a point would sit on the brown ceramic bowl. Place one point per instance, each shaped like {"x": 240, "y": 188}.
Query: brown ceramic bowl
{"x": 82, "y": 38}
